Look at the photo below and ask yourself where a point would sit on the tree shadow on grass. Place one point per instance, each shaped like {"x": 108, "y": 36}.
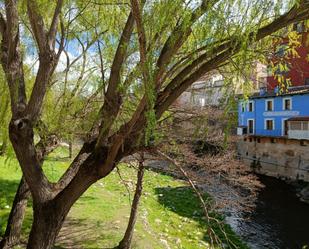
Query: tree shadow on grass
{"x": 80, "y": 234}
{"x": 184, "y": 202}
{"x": 73, "y": 235}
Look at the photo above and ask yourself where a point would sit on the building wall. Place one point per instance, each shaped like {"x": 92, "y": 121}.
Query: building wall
{"x": 212, "y": 90}
{"x": 299, "y": 66}
{"x": 300, "y": 107}
{"x": 277, "y": 157}
{"x": 207, "y": 91}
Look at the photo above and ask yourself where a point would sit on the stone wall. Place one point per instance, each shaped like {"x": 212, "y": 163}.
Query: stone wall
{"x": 277, "y": 157}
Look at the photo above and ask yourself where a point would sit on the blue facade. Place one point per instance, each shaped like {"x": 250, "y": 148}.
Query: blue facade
{"x": 269, "y": 119}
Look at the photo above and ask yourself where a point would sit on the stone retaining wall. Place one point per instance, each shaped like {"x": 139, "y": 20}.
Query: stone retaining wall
{"x": 277, "y": 157}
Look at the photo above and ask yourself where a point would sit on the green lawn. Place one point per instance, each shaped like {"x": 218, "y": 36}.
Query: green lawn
{"x": 170, "y": 215}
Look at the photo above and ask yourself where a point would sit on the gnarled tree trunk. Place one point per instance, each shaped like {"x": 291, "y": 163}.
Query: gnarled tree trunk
{"x": 13, "y": 229}
{"x": 47, "y": 222}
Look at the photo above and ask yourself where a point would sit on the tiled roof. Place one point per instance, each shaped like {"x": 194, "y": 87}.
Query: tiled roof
{"x": 299, "y": 118}
{"x": 291, "y": 91}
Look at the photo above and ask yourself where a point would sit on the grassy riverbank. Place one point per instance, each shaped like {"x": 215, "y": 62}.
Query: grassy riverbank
{"x": 170, "y": 215}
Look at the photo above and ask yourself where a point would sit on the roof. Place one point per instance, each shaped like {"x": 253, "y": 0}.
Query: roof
{"x": 299, "y": 118}
{"x": 298, "y": 90}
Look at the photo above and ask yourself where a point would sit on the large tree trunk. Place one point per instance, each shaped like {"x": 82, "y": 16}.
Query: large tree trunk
{"x": 17, "y": 214}
{"x": 47, "y": 222}
{"x": 49, "y": 214}
{"x": 125, "y": 243}
{"x": 16, "y": 217}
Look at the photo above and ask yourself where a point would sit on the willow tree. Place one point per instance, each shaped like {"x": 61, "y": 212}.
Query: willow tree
{"x": 150, "y": 52}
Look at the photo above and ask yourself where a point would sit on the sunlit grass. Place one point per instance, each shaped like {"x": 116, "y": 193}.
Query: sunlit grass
{"x": 170, "y": 214}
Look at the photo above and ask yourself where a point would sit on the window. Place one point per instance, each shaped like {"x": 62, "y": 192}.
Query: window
{"x": 299, "y": 125}
{"x": 269, "y": 124}
{"x": 285, "y": 127}
{"x": 242, "y": 105}
{"x": 250, "y": 106}
{"x": 295, "y": 125}
{"x": 250, "y": 126}
{"x": 269, "y": 105}
{"x": 262, "y": 82}
{"x": 287, "y": 104}
{"x": 307, "y": 81}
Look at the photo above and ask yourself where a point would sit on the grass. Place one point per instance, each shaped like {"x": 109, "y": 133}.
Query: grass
{"x": 170, "y": 215}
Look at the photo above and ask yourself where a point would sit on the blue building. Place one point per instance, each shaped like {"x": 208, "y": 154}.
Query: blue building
{"x": 270, "y": 114}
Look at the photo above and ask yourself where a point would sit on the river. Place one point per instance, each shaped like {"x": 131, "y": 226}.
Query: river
{"x": 279, "y": 221}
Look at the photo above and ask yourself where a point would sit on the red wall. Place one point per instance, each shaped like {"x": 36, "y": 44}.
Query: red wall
{"x": 299, "y": 70}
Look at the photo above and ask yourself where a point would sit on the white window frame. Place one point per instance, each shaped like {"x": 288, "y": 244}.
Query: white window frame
{"x": 242, "y": 107}
{"x": 248, "y": 130}
{"x": 268, "y": 100}
{"x": 253, "y": 106}
{"x": 282, "y": 126}
{"x": 283, "y": 104}
{"x": 265, "y": 124}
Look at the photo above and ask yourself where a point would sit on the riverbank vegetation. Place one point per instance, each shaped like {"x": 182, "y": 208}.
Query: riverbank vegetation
{"x": 106, "y": 73}
{"x": 170, "y": 214}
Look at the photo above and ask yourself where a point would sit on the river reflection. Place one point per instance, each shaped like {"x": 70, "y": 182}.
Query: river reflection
{"x": 279, "y": 220}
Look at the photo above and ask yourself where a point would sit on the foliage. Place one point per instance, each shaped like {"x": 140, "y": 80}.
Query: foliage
{"x": 169, "y": 210}
{"x": 106, "y": 73}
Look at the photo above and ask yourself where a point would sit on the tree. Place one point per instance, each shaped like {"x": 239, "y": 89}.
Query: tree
{"x": 175, "y": 43}
{"x": 125, "y": 243}
{"x": 4, "y": 115}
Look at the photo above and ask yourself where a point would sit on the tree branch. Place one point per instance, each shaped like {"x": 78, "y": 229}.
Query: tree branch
{"x": 112, "y": 100}
{"x": 37, "y": 24}
{"x": 47, "y": 56}
{"x": 11, "y": 58}
{"x": 53, "y": 26}
{"x": 201, "y": 65}
{"x": 178, "y": 36}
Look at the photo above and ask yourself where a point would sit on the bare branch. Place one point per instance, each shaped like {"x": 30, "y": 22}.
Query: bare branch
{"x": 62, "y": 39}
{"x": 47, "y": 56}
{"x": 136, "y": 11}
{"x": 212, "y": 234}
{"x": 37, "y": 24}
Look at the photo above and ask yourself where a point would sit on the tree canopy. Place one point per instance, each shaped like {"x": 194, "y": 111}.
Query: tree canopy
{"x": 108, "y": 70}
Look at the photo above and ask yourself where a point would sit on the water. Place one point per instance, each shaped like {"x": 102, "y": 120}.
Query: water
{"x": 280, "y": 219}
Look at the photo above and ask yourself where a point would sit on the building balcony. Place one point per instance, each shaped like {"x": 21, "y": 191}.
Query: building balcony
{"x": 298, "y": 134}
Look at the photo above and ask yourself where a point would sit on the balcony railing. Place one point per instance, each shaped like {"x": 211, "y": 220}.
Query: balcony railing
{"x": 299, "y": 134}
{"x": 263, "y": 132}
